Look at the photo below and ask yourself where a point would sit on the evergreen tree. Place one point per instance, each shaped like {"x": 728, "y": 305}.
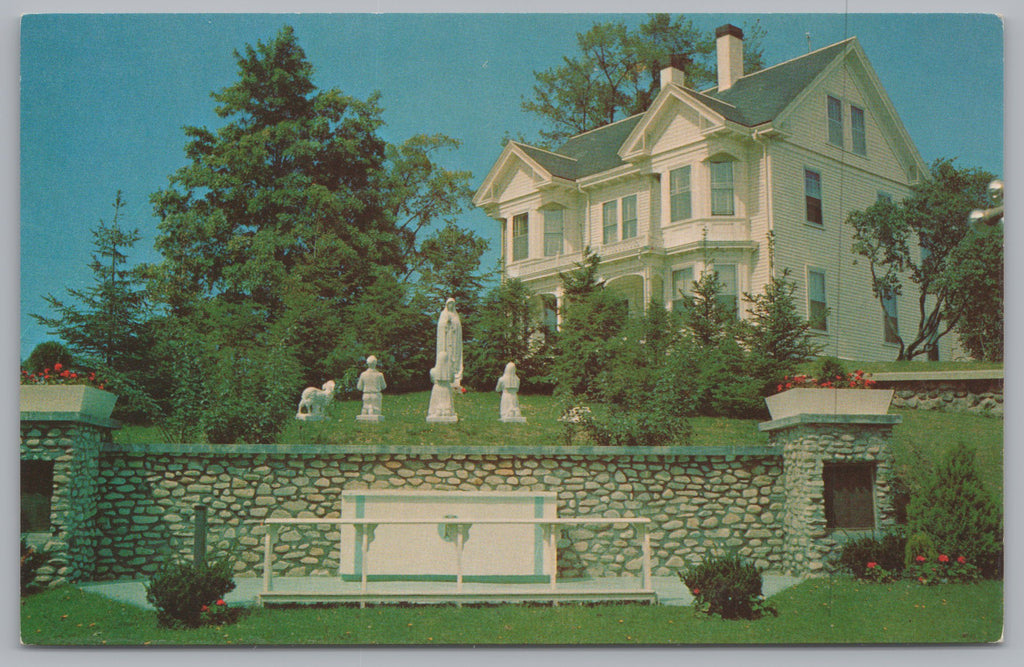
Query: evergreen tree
{"x": 103, "y": 324}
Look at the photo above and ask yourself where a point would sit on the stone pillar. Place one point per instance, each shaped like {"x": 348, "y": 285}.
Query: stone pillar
{"x": 72, "y": 441}
{"x": 809, "y": 443}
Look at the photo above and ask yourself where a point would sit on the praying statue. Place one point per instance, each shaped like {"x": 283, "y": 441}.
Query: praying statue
{"x": 508, "y": 385}
{"x": 442, "y": 408}
{"x": 449, "y": 341}
{"x": 371, "y": 383}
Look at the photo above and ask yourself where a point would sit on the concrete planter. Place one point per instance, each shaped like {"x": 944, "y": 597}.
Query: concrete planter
{"x": 822, "y": 401}
{"x": 67, "y": 398}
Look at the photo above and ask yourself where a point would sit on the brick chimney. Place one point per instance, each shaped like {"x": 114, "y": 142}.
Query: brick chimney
{"x": 729, "y": 42}
{"x": 674, "y": 73}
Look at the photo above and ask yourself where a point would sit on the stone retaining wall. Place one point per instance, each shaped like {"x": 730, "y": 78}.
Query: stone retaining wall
{"x": 698, "y": 499}
{"x": 119, "y": 510}
{"x": 983, "y": 396}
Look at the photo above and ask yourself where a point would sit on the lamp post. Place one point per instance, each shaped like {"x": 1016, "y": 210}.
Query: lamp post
{"x": 994, "y": 215}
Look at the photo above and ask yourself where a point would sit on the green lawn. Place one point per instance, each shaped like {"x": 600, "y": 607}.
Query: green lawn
{"x": 836, "y": 610}
{"x": 405, "y": 424}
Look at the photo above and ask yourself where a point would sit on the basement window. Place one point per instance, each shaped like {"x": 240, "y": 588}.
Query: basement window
{"x": 849, "y": 496}
{"x": 36, "y": 496}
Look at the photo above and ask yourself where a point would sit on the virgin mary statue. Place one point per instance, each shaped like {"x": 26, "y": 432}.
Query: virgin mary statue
{"x": 449, "y": 341}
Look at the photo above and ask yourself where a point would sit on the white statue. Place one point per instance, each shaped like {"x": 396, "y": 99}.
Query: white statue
{"x": 314, "y": 402}
{"x": 449, "y": 341}
{"x": 442, "y": 408}
{"x": 508, "y": 385}
{"x": 371, "y": 383}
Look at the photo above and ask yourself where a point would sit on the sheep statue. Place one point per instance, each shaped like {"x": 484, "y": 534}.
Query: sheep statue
{"x": 313, "y": 406}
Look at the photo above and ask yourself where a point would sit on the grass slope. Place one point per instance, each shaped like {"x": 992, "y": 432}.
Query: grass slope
{"x": 834, "y": 610}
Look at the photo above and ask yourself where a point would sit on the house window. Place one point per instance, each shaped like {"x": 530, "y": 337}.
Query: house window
{"x": 611, "y": 221}
{"x": 36, "y": 496}
{"x": 817, "y": 303}
{"x": 682, "y": 289}
{"x": 835, "y": 122}
{"x": 858, "y": 131}
{"x": 629, "y": 217}
{"x": 729, "y": 296}
{"x": 721, "y": 189}
{"x": 553, "y": 228}
{"x": 520, "y": 237}
{"x": 812, "y": 196}
{"x": 892, "y": 320}
{"x": 549, "y": 319}
{"x": 679, "y": 194}
{"x": 849, "y": 495}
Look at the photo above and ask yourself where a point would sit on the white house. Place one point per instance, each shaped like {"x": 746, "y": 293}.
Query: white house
{"x": 705, "y": 179}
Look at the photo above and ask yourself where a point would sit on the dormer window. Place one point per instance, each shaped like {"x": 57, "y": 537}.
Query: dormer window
{"x": 722, "y": 191}
{"x": 835, "y": 121}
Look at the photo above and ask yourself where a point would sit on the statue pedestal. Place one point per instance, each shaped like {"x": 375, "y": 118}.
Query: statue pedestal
{"x": 442, "y": 419}
{"x": 374, "y": 419}
{"x": 513, "y": 420}
{"x": 309, "y": 417}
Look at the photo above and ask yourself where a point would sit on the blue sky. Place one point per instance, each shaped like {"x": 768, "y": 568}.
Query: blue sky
{"x": 104, "y": 98}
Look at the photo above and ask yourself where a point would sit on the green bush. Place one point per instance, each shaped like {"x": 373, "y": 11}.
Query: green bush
{"x": 830, "y": 369}
{"x": 31, "y": 561}
{"x": 610, "y": 427}
{"x": 885, "y": 553}
{"x": 180, "y": 590}
{"x": 959, "y": 514}
{"x": 727, "y": 586}
{"x": 919, "y": 545}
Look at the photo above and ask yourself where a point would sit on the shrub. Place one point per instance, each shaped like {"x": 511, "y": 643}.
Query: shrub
{"x": 830, "y": 369}
{"x": 959, "y": 514}
{"x": 31, "y": 561}
{"x": 728, "y": 587}
{"x": 886, "y": 555}
{"x": 919, "y": 545}
{"x": 943, "y": 569}
{"x": 180, "y": 590}
{"x": 611, "y": 427}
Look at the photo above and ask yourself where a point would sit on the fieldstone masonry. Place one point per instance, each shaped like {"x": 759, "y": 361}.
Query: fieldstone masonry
{"x": 976, "y": 392}
{"x": 73, "y": 444}
{"x": 118, "y": 509}
{"x": 808, "y": 443}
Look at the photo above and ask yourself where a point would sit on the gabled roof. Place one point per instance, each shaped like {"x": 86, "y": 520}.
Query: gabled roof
{"x": 598, "y": 150}
{"x": 754, "y": 99}
{"x": 761, "y": 96}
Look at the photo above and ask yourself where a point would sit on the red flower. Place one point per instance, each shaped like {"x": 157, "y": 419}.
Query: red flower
{"x": 943, "y": 558}
{"x": 921, "y": 579}
{"x": 920, "y": 559}
{"x": 852, "y": 383}
{"x": 220, "y": 603}
{"x": 961, "y": 560}
{"x": 57, "y": 366}
{"x": 789, "y": 385}
{"x": 696, "y": 591}
{"x": 463, "y": 390}
{"x": 204, "y": 608}
{"x": 872, "y": 564}
{"x": 779, "y": 388}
